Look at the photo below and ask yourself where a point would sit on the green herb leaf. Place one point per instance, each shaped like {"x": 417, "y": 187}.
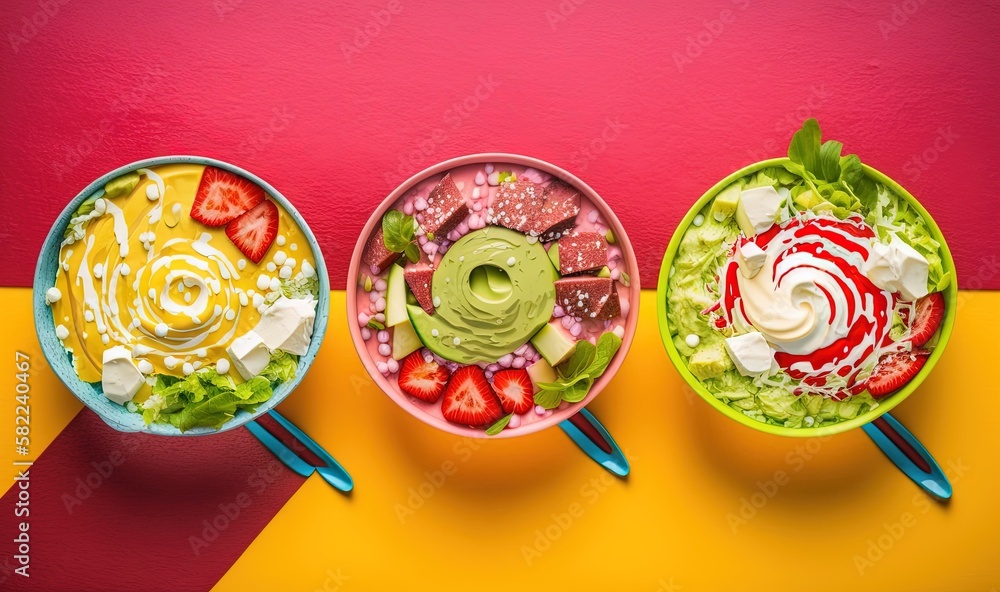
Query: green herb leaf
{"x": 121, "y": 185}
{"x": 373, "y": 324}
{"x": 578, "y": 363}
{"x": 829, "y": 160}
{"x": 578, "y": 392}
{"x": 498, "y": 427}
{"x": 804, "y": 148}
{"x": 397, "y": 230}
{"x": 548, "y": 399}
{"x": 607, "y": 346}
{"x": 412, "y": 252}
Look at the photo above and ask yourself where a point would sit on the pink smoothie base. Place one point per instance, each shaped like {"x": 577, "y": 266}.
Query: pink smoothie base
{"x": 430, "y": 413}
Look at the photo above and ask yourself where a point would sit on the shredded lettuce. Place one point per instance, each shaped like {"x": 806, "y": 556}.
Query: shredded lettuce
{"x": 300, "y": 287}
{"x": 208, "y": 399}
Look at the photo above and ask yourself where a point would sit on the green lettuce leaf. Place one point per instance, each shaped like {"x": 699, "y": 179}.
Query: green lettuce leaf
{"x": 281, "y": 368}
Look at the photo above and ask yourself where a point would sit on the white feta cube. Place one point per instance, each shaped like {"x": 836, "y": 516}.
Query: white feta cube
{"x": 120, "y": 378}
{"x": 897, "y": 267}
{"x": 750, "y": 258}
{"x": 288, "y": 324}
{"x": 757, "y": 209}
{"x": 249, "y": 354}
{"x": 750, "y": 353}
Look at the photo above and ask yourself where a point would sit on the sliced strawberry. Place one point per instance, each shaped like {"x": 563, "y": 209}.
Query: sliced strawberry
{"x": 928, "y": 313}
{"x": 222, "y": 196}
{"x": 895, "y": 370}
{"x": 254, "y": 231}
{"x": 469, "y": 400}
{"x": 422, "y": 379}
{"x": 514, "y": 389}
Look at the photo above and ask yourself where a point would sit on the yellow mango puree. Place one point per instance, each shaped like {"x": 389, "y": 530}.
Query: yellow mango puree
{"x": 148, "y": 276}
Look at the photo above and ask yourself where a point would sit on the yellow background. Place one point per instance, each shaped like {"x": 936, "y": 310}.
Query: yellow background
{"x": 535, "y": 513}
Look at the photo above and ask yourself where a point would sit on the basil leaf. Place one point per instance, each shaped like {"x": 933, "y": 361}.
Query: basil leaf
{"x": 829, "y": 160}
{"x": 412, "y": 252}
{"x": 804, "y": 148}
{"x": 397, "y": 230}
{"x": 548, "y": 399}
{"x": 607, "y": 346}
{"x": 578, "y": 391}
{"x": 578, "y": 363}
{"x": 498, "y": 427}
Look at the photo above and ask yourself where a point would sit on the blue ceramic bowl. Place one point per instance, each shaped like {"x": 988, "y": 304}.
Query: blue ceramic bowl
{"x": 91, "y": 394}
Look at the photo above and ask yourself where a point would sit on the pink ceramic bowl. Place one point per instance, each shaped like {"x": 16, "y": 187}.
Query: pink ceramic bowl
{"x": 430, "y": 413}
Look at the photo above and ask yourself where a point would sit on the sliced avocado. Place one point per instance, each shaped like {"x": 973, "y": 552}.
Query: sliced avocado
{"x": 395, "y": 297}
{"x": 709, "y": 360}
{"x": 725, "y": 202}
{"x": 404, "y": 340}
{"x": 541, "y": 371}
{"x": 554, "y": 255}
{"x": 553, "y": 344}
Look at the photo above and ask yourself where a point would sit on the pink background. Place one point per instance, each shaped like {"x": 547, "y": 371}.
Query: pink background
{"x": 335, "y": 119}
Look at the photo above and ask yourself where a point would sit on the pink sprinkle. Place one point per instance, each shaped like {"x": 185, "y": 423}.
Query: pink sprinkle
{"x": 567, "y": 322}
{"x": 539, "y": 410}
{"x": 393, "y": 365}
{"x": 517, "y": 363}
{"x": 515, "y": 421}
{"x": 615, "y": 274}
{"x": 576, "y": 330}
{"x": 384, "y": 349}
{"x": 408, "y": 208}
{"x": 363, "y": 319}
{"x": 366, "y": 333}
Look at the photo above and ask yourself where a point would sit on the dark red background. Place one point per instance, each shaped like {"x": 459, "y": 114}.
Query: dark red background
{"x": 90, "y": 87}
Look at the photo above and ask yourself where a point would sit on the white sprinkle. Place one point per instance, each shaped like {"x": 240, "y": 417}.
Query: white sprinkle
{"x": 281, "y": 241}
{"x": 275, "y": 284}
{"x": 52, "y": 295}
{"x": 258, "y": 300}
{"x": 230, "y": 314}
{"x": 280, "y": 257}
{"x": 698, "y": 220}
{"x": 161, "y": 330}
{"x": 187, "y": 368}
{"x": 152, "y": 192}
{"x": 88, "y": 315}
{"x": 170, "y": 362}
{"x": 263, "y": 282}
{"x": 434, "y": 332}
{"x": 244, "y": 299}
{"x": 285, "y": 273}
{"x": 145, "y": 367}
{"x": 292, "y": 246}
{"x": 511, "y": 261}
{"x": 241, "y": 264}
{"x": 437, "y": 301}
{"x": 98, "y": 270}
{"x": 105, "y": 339}
{"x": 692, "y": 340}
{"x": 151, "y": 293}
{"x": 456, "y": 340}
{"x": 270, "y": 267}
{"x": 62, "y": 332}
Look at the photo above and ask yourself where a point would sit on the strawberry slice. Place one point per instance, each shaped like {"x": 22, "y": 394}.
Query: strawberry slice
{"x": 895, "y": 370}
{"x": 469, "y": 400}
{"x": 254, "y": 231}
{"x": 928, "y": 314}
{"x": 222, "y": 196}
{"x": 513, "y": 388}
{"x": 422, "y": 379}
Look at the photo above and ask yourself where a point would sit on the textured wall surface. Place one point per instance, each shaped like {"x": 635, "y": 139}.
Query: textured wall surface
{"x": 651, "y": 104}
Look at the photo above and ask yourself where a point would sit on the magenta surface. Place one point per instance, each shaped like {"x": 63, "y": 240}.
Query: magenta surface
{"x": 650, "y": 104}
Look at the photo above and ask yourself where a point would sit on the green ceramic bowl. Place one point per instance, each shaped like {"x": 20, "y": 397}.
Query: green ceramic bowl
{"x": 950, "y": 294}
